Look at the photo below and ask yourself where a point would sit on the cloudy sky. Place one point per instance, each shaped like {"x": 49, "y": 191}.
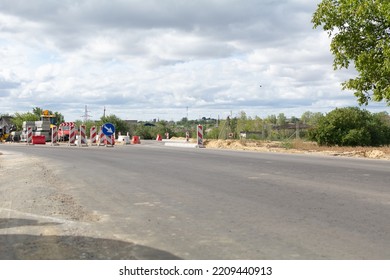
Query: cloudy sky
{"x": 146, "y": 59}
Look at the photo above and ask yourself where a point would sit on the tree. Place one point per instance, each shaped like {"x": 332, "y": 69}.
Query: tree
{"x": 351, "y": 127}
{"x": 311, "y": 118}
{"x": 120, "y": 125}
{"x": 19, "y": 118}
{"x": 360, "y": 31}
{"x": 281, "y": 120}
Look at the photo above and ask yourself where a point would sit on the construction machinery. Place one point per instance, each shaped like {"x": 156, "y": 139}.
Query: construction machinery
{"x": 40, "y": 128}
{"x": 6, "y": 128}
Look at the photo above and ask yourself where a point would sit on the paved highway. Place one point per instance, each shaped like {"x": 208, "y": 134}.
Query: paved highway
{"x": 214, "y": 204}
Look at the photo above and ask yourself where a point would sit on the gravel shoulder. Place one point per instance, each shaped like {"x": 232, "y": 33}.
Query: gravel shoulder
{"x": 41, "y": 219}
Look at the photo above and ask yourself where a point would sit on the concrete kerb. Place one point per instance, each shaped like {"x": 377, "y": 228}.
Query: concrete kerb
{"x": 181, "y": 144}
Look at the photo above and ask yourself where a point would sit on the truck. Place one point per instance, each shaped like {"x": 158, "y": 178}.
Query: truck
{"x": 64, "y": 130}
{"x": 40, "y": 128}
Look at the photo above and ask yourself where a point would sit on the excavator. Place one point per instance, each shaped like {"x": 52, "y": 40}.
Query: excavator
{"x": 6, "y": 127}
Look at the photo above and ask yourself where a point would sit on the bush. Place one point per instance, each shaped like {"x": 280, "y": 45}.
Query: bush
{"x": 352, "y": 126}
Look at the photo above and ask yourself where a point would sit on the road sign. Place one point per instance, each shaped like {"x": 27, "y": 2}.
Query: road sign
{"x": 108, "y": 129}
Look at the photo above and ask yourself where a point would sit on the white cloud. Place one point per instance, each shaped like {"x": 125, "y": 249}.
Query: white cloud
{"x": 149, "y": 59}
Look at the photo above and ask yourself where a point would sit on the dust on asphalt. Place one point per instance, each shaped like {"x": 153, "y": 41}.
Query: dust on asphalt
{"x": 41, "y": 219}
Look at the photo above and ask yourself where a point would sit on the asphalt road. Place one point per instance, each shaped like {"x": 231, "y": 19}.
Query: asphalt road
{"x": 214, "y": 204}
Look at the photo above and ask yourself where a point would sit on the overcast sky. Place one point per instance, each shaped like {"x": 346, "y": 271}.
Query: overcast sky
{"x": 146, "y": 59}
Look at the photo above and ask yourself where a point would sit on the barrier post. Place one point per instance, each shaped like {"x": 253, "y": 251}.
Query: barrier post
{"x": 200, "y": 136}
{"x": 109, "y": 141}
{"x": 72, "y": 136}
{"x": 92, "y": 135}
{"x": 101, "y": 137}
{"x": 54, "y": 136}
{"x": 29, "y": 135}
{"x": 82, "y": 137}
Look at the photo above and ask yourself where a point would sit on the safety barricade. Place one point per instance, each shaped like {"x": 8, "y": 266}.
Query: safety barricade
{"x": 29, "y": 135}
{"x": 110, "y": 141}
{"x": 92, "y": 135}
{"x": 54, "y": 136}
{"x": 101, "y": 137}
{"x": 135, "y": 140}
{"x": 39, "y": 140}
{"x": 200, "y": 136}
{"x": 82, "y": 137}
{"x": 72, "y": 136}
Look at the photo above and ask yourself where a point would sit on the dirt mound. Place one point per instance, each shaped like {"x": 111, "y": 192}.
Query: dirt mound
{"x": 299, "y": 146}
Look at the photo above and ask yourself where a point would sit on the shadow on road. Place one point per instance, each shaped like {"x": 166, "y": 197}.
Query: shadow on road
{"x": 54, "y": 247}
{"x": 10, "y": 223}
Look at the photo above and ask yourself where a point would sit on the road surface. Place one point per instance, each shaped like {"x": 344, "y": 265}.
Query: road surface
{"x": 156, "y": 202}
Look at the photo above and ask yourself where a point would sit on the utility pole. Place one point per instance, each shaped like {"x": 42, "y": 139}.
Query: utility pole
{"x": 86, "y": 116}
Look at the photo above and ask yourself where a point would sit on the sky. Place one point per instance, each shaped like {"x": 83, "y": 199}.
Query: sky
{"x": 154, "y": 59}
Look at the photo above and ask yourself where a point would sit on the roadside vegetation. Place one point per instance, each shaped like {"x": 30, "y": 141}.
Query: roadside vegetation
{"x": 349, "y": 126}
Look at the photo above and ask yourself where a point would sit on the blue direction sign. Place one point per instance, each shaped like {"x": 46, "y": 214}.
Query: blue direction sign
{"x": 108, "y": 129}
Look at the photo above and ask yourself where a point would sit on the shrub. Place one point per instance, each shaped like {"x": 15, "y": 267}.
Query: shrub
{"x": 352, "y": 126}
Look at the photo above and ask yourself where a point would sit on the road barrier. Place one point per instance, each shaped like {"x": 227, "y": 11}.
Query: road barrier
{"x": 39, "y": 140}
{"x": 29, "y": 135}
{"x": 82, "y": 137}
{"x": 101, "y": 137}
{"x": 135, "y": 140}
{"x": 72, "y": 136}
{"x": 110, "y": 141}
{"x": 200, "y": 136}
{"x": 92, "y": 135}
{"x": 54, "y": 136}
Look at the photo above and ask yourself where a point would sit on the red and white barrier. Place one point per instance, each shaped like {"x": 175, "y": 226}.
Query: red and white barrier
{"x": 68, "y": 124}
{"x": 110, "y": 140}
{"x": 101, "y": 137}
{"x": 200, "y": 136}
{"x": 54, "y": 136}
{"x": 29, "y": 135}
{"x": 92, "y": 135}
{"x": 72, "y": 136}
{"x": 82, "y": 137}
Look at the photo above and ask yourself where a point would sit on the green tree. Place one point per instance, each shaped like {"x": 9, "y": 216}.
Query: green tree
{"x": 271, "y": 119}
{"x": 281, "y": 120}
{"x": 311, "y": 118}
{"x": 360, "y": 31}
{"x": 38, "y": 112}
{"x": 19, "y": 118}
{"x": 351, "y": 127}
{"x": 120, "y": 125}
{"x": 59, "y": 118}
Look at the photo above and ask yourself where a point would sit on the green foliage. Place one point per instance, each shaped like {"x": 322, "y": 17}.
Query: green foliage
{"x": 281, "y": 120}
{"x": 287, "y": 144}
{"x": 19, "y": 118}
{"x": 360, "y": 35}
{"x": 144, "y": 132}
{"x": 351, "y": 127}
{"x": 311, "y": 118}
{"x": 120, "y": 125}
